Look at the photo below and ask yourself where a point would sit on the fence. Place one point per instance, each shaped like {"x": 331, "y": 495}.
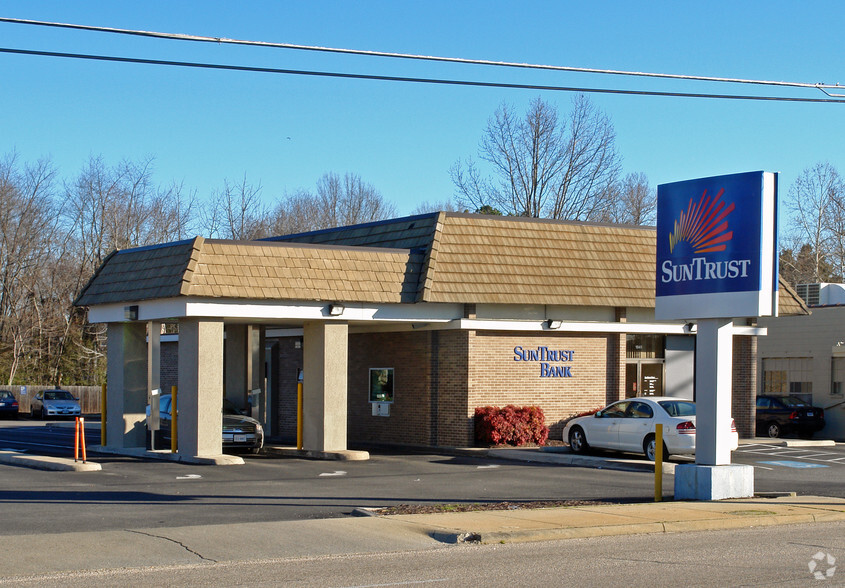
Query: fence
{"x": 89, "y": 396}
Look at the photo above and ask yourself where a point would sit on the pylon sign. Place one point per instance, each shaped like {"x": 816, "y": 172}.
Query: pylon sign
{"x": 717, "y": 247}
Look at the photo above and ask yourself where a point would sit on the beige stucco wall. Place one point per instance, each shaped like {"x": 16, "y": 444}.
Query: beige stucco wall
{"x": 812, "y": 336}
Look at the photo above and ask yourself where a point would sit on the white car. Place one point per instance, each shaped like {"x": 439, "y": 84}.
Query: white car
{"x": 629, "y": 425}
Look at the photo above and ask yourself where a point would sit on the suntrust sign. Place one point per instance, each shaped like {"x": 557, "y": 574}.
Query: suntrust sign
{"x": 553, "y": 362}
{"x": 716, "y": 241}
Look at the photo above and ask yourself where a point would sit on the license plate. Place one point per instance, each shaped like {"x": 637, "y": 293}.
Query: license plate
{"x": 810, "y": 413}
{"x": 240, "y": 438}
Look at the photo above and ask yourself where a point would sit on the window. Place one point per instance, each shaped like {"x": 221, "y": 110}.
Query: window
{"x": 640, "y": 410}
{"x": 784, "y": 376}
{"x": 837, "y": 376}
{"x": 645, "y": 346}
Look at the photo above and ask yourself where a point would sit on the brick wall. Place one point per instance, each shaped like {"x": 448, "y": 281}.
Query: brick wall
{"x": 744, "y": 385}
{"x": 497, "y": 379}
{"x": 288, "y": 359}
{"x": 169, "y": 363}
{"x": 409, "y": 354}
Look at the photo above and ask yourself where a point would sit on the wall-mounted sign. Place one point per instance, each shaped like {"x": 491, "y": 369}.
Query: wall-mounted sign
{"x": 553, "y": 362}
{"x": 716, "y": 244}
{"x": 381, "y": 384}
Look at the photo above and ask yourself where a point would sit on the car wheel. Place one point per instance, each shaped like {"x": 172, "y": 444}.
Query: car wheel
{"x": 773, "y": 430}
{"x": 650, "y": 448}
{"x": 578, "y": 441}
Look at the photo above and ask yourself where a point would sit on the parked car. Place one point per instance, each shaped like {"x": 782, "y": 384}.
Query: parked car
{"x": 780, "y": 415}
{"x": 629, "y": 425}
{"x": 55, "y": 403}
{"x": 239, "y": 430}
{"x": 8, "y": 405}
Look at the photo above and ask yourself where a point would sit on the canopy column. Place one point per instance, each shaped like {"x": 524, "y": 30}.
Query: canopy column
{"x": 126, "y": 374}
{"x": 200, "y": 387}
{"x": 325, "y": 354}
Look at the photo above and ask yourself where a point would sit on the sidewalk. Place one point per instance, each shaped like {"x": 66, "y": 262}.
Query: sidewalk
{"x": 625, "y": 519}
{"x": 215, "y": 544}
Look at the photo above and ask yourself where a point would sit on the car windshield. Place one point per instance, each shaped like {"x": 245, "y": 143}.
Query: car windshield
{"x": 58, "y": 395}
{"x": 792, "y": 401}
{"x": 678, "y": 408}
{"x": 229, "y": 408}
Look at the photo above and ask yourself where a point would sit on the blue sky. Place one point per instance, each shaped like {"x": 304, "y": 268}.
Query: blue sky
{"x": 285, "y": 131}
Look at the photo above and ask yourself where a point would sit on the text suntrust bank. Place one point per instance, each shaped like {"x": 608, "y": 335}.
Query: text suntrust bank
{"x": 545, "y": 356}
{"x": 701, "y": 269}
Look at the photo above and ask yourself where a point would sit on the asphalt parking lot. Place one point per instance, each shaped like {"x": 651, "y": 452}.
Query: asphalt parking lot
{"x": 132, "y": 492}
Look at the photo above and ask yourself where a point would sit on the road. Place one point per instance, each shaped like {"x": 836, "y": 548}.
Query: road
{"x": 746, "y": 557}
{"x": 134, "y": 493}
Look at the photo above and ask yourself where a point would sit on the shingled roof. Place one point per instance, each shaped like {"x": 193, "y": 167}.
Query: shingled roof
{"x": 438, "y": 257}
{"x": 256, "y": 270}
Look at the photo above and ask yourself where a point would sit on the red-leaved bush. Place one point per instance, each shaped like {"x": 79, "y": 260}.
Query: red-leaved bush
{"x": 510, "y": 425}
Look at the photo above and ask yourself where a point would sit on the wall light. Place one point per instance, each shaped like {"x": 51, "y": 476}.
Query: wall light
{"x": 336, "y": 309}
{"x": 130, "y": 313}
{"x": 553, "y": 324}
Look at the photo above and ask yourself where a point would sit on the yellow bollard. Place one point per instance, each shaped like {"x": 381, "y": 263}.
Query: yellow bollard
{"x": 104, "y": 411}
{"x": 299, "y": 416}
{"x": 174, "y": 428}
{"x": 658, "y": 462}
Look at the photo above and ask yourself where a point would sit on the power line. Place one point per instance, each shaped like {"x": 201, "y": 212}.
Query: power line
{"x": 357, "y": 76}
{"x": 224, "y": 40}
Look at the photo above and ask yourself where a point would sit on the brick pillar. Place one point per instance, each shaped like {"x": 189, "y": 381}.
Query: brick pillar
{"x": 743, "y": 405}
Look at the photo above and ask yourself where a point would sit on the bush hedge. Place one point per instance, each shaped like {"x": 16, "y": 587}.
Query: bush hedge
{"x": 510, "y": 425}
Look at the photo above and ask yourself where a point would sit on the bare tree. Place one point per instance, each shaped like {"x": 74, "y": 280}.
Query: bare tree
{"x": 236, "y": 212}
{"x": 444, "y": 205}
{"x": 631, "y": 201}
{"x": 816, "y": 202}
{"x": 543, "y": 166}
{"x": 339, "y": 201}
{"x": 27, "y": 227}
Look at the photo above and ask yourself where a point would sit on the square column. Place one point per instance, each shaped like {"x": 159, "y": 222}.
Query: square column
{"x": 200, "y": 387}
{"x": 325, "y": 354}
{"x": 126, "y": 374}
{"x": 712, "y": 477}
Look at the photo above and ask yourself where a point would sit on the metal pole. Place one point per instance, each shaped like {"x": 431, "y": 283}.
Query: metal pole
{"x": 104, "y": 412}
{"x": 174, "y": 428}
{"x": 658, "y": 462}
{"x": 299, "y": 416}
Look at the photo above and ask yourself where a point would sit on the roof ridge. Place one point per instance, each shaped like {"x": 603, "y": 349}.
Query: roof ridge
{"x": 191, "y": 265}
{"x": 94, "y": 276}
{"x": 430, "y": 263}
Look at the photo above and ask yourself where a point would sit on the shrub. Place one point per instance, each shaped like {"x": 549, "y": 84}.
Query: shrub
{"x": 510, "y": 425}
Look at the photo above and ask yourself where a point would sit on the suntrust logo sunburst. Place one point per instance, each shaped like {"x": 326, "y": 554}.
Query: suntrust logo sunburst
{"x": 703, "y": 225}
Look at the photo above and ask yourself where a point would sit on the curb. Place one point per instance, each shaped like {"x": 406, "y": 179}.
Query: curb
{"x": 165, "y": 455}
{"x": 43, "y": 462}
{"x": 763, "y": 519}
{"x": 627, "y": 465}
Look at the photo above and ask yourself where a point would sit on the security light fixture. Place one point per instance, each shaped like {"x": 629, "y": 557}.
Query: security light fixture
{"x": 130, "y": 313}
{"x": 336, "y": 309}
{"x": 553, "y": 324}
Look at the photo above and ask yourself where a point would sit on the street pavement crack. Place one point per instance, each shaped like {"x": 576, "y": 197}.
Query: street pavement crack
{"x": 182, "y": 545}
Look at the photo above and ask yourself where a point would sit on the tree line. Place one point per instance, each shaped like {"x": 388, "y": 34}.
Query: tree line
{"x": 55, "y": 232}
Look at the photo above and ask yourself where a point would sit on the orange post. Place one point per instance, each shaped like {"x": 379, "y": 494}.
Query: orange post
{"x": 76, "y": 441}
{"x": 82, "y": 431}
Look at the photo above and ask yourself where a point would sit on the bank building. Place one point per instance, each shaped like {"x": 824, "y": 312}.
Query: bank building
{"x": 397, "y": 330}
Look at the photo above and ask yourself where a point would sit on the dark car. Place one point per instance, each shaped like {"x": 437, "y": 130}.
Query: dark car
{"x": 239, "y": 430}
{"x": 8, "y": 405}
{"x": 780, "y": 415}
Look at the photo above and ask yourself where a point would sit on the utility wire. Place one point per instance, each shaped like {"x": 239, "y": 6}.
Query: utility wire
{"x": 224, "y": 40}
{"x": 357, "y": 76}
